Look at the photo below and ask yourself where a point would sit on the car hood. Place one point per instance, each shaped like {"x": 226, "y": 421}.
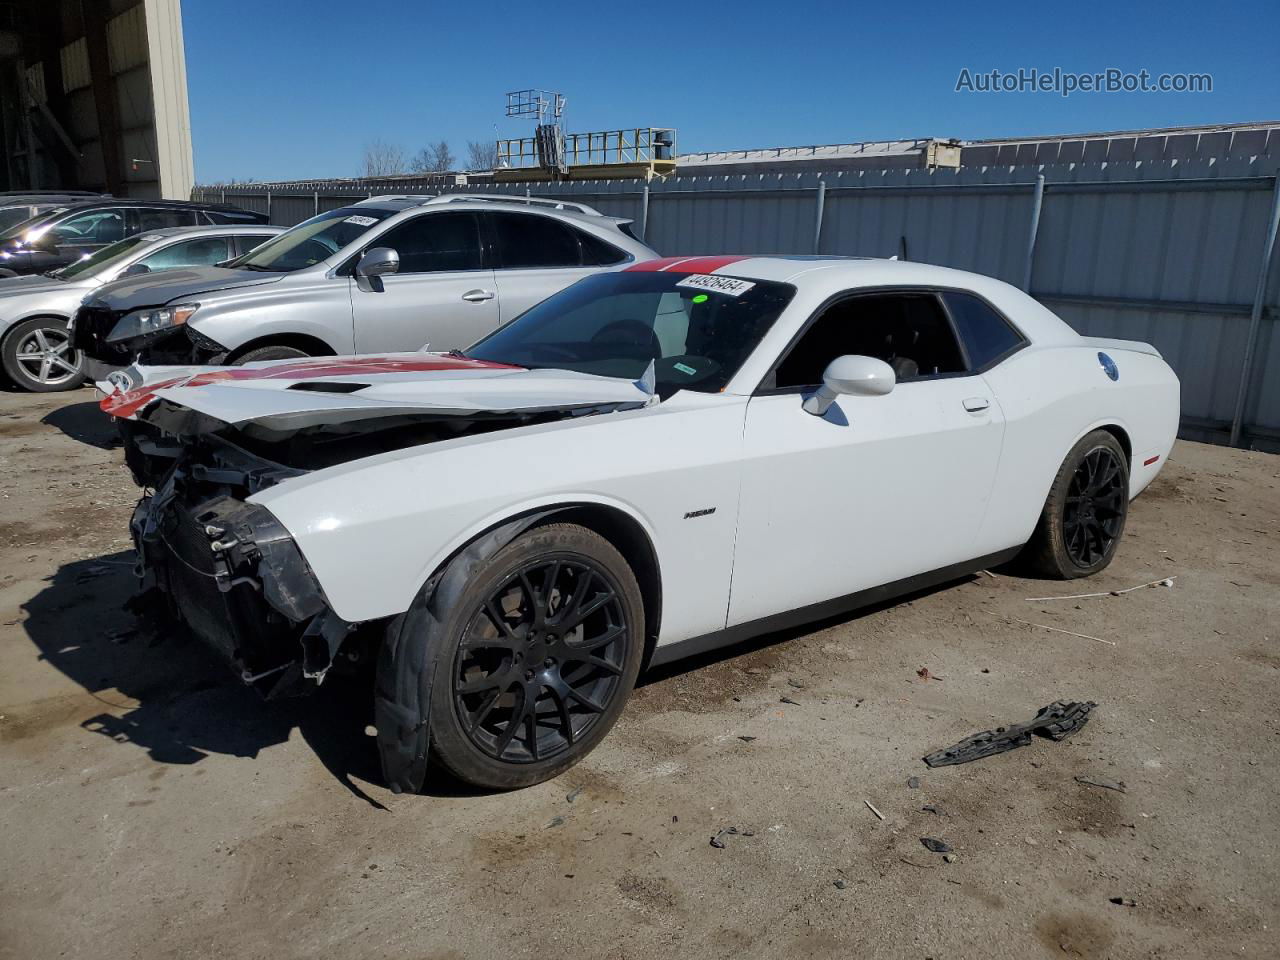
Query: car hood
{"x": 165, "y": 286}
{"x": 292, "y": 394}
{"x": 22, "y": 286}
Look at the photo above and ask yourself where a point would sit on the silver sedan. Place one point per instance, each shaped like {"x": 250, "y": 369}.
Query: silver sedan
{"x": 35, "y": 347}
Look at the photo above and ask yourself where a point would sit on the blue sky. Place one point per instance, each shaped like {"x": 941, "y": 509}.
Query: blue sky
{"x": 288, "y": 89}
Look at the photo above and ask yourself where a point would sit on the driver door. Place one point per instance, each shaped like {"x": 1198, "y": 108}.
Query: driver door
{"x": 880, "y": 488}
{"x": 443, "y": 296}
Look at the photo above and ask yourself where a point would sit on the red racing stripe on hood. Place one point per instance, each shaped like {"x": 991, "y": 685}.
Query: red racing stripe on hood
{"x": 129, "y": 402}
{"x": 685, "y": 264}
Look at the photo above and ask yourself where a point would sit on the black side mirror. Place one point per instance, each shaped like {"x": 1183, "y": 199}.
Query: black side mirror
{"x": 135, "y": 269}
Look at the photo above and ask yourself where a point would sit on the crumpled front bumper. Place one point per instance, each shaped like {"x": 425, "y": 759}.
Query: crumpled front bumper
{"x": 91, "y": 326}
{"x": 231, "y": 573}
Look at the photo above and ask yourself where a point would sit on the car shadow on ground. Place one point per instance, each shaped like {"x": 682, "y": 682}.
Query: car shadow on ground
{"x": 189, "y": 705}
{"x": 84, "y": 422}
{"x": 765, "y": 640}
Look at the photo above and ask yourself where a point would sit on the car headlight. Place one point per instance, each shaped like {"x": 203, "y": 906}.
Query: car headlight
{"x": 152, "y": 320}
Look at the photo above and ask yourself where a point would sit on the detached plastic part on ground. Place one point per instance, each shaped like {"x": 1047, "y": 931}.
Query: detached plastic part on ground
{"x": 1057, "y": 721}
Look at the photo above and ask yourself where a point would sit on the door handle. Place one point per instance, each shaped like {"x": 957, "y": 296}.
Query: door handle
{"x": 478, "y": 296}
{"x": 976, "y": 404}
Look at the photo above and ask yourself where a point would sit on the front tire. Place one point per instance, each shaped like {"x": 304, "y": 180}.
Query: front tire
{"x": 38, "y": 357}
{"x": 1085, "y": 512}
{"x": 270, "y": 352}
{"x": 538, "y": 655}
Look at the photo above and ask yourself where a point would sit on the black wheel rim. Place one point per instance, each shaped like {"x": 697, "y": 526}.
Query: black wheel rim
{"x": 541, "y": 659}
{"x": 1095, "y": 507}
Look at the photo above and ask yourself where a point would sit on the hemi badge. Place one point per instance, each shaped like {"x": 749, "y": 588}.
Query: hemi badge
{"x": 705, "y": 512}
{"x": 1150, "y": 460}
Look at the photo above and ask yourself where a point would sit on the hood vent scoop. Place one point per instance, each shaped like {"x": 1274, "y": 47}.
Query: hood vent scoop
{"x": 327, "y": 386}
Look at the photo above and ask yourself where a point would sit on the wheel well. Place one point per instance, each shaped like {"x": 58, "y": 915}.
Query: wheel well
{"x": 312, "y": 345}
{"x": 1122, "y": 438}
{"x": 630, "y": 540}
{"x": 39, "y": 316}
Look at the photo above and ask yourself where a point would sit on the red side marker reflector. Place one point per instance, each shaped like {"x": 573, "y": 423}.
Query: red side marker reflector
{"x": 1150, "y": 460}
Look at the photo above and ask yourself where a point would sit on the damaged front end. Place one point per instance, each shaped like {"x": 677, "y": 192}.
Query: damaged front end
{"x": 232, "y": 574}
{"x": 206, "y": 440}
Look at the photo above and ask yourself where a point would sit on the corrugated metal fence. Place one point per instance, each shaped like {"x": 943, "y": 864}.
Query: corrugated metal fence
{"x": 1174, "y": 253}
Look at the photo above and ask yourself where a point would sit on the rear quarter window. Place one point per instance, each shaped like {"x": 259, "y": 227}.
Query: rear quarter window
{"x": 987, "y": 336}
{"x": 598, "y": 253}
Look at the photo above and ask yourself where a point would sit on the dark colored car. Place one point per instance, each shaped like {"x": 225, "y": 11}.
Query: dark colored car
{"x": 79, "y": 228}
{"x": 17, "y": 207}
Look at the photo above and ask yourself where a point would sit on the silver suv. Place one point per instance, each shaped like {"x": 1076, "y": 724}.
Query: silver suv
{"x": 386, "y": 274}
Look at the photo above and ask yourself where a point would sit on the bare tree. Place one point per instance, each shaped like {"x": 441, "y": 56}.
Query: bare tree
{"x": 435, "y": 158}
{"x": 482, "y": 155}
{"x": 382, "y": 159}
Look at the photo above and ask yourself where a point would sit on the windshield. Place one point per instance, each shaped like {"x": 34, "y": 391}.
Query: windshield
{"x": 108, "y": 256}
{"x": 312, "y": 240}
{"x": 615, "y": 324}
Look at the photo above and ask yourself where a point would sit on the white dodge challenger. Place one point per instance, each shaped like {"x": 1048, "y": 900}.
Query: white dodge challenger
{"x": 649, "y": 464}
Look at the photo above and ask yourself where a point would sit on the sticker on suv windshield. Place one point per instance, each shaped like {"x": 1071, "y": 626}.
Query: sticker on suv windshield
{"x": 361, "y": 221}
{"x": 726, "y": 285}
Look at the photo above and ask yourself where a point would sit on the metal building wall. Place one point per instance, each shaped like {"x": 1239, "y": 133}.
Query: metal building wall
{"x": 106, "y": 95}
{"x": 1169, "y": 252}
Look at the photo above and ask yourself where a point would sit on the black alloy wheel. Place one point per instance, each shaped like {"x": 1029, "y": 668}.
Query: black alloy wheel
{"x": 1084, "y": 514}
{"x": 541, "y": 659}
{"x": 1095, "y": 507}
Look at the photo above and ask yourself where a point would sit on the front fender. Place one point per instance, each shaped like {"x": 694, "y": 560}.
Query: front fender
{"x": 396, "y": 568}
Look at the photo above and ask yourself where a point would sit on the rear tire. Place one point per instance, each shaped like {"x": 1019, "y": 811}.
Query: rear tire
{"x": 1085, "y": 512}
{"x": 524, "y": 699}
{"x": 270, "y": 352}
{"x": 37, "y": 356}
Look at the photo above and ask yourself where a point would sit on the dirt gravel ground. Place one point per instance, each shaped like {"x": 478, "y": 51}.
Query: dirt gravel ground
{"x": 150, "y": 806}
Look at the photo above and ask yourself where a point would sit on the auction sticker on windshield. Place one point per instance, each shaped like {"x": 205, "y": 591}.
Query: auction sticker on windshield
{"x": 727, "y": 285}
{"x": 361, "y": 221}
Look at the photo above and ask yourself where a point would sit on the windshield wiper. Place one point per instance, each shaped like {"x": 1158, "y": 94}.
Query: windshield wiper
{"x": 54, "y": 274}
{"x": 258, "y": 268}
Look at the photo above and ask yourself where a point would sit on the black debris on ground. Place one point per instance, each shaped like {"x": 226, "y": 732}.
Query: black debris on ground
{"x": 934, "y": 845}
{"x": 1117, "y": 785}
{"x": 1057, "y": 721}
{"x": 718, "y": 840}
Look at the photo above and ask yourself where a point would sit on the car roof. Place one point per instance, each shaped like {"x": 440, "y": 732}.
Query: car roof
{"x": 819, "y": 278}
{"x": 569, "y": 209}
{"x": 825, "y": 270}
{"x": 222, "y": 229}
{"x": 86, "y": 203}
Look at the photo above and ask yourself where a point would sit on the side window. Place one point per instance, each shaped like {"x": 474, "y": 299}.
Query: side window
{"x": 435, "y": 242}
{"x": 528, "y": 240}
{"x": 98, "y": 227}
{"x": 221, "y": 217}
{"x": 248, "y": 241}
{"x": 597, "y": 253}
{"x": 160, "y": 219}
{"x": 986, "y": 335}
{"x": 191, "y": 253}
{"x": 908, "y": 331}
